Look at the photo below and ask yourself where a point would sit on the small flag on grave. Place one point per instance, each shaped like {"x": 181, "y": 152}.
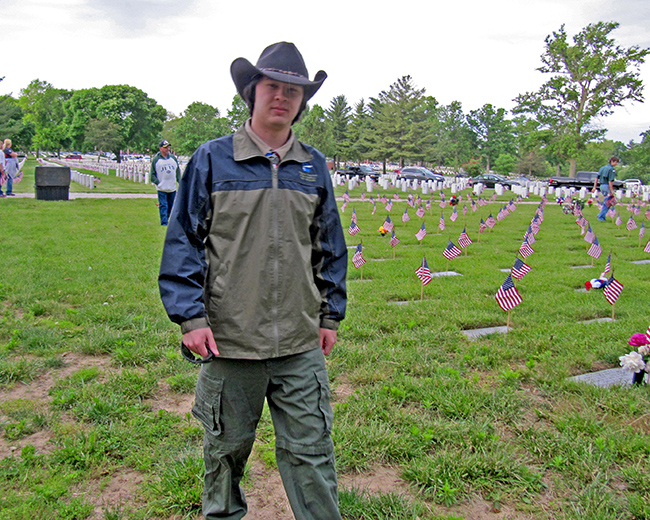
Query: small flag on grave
{"x": 507, "y": 296}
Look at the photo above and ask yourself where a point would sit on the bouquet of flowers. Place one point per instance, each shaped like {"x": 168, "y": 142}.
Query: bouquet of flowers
{"x": 453, "y": 201}
{"x": 637, "y": 361}
{"x": 382, "y": 231}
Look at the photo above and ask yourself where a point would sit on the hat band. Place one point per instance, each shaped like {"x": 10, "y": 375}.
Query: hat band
{"x": 290, "y": 73}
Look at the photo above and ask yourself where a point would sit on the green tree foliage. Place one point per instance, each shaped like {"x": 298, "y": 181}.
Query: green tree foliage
{"x": 44, "y": 109}
{"x": 400, "y": 127}
{"x": 102, "y": 134}
{"x": 139, "y": 118}
{"x": 338, "y": 117}
{"x": 589, "y": 78}
{"x": 314, "y": 130}
{"x": 12, "y": 125}
{"x": 238, "y": 113}
{"x": 637, "y": 157}
{"x": 505, "y": 163}
{"x": 199, "y": 123}
{"x": 454, "y": 140}
{"x": 493, "y": 132}
{"x": 358, "y": 133}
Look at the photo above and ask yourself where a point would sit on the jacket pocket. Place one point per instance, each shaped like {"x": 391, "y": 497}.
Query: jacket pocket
{"x": 207, "y": 404}
{"x": 324, "y": 400}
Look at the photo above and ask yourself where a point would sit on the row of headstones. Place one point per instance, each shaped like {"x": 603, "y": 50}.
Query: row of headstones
{"x": 583, "y": 192}
{"x": 85, "y": 179}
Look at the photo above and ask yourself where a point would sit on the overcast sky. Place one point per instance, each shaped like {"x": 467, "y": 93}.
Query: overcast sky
{"x": 475, "y": 52}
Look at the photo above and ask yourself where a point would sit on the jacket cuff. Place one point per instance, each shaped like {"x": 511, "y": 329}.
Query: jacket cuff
{"x": 326, "y": 323}
{"x": 193, "y": 324}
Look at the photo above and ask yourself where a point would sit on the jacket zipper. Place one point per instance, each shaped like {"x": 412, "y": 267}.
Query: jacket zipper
{"x": 275, "y": 166}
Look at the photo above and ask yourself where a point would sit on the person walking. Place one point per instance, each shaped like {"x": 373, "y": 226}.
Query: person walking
{"x": 11, "y": 167}
{"x": 165, "y": 172}
{"x": 253, "y": 269}
{"x": 606, "y": 177}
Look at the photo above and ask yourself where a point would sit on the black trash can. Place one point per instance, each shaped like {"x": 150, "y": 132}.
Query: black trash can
{"x": 52, "y": 182}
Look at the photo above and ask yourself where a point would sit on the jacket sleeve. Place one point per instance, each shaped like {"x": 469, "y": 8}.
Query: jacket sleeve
{"x": 152, "y": 170}
{"x": 329, "y": 257}
{"x": 183, "y": 265}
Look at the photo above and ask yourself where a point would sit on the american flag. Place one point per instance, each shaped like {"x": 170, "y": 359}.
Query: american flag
{"x": 618, "y": 220}
{"x": 520, "y": 269}
{"x": 420, "y": 211}
{"x": 525, "y": 250}
{"x": 507, "y": 296}
{"x": 463, "y": 239}
{"x": 482, "y": 226}
{"x": 511, "y": 205}
{"x": 353, "y": 229}
{"x": 389, "y": 205}
{"x": 454, "y": 215}
{"x": 428, "y": 204}
{"x": 642, "y": 230}
{"x": 354, "y": 215}
{"x": 363, "y": 195}
{"x": 345, "y": 205}
{"x": 581, "y": 221}
{"x": 608, "y": 265}
{"x": 393, "y": 240}
{"x": 595, "y": 250}
{"x": 646, "y": 249}
{"x": 422, "y": 233}
{"x": 441, "y": 223}
{"x": 490, "y": 221}
{"x": 534, "y": 225}
{"x": 396, "y": 196}
{"x": 612, "y": 290}
{"x": 423, "y": 272}
{"x": 474, "y": 206}
{"x": 647, "y": 214}
{"x": 530, "y": 236}
{"x": 442, "y": 203}
{"x": 464, "y": 210}
{"x": 451, "y": 251}
{"x": 346, "y": 196}
{"x": 405, "y": 216}
{"x": 611, "y": 212}
{"x": 410, "y": 201}
{"x": 631, "y": 224}
{"x": 357, "y": 258}
{"x": 388, "y": 223}
{"x": 374, "y": 208}
{"x": 589, "y": 237}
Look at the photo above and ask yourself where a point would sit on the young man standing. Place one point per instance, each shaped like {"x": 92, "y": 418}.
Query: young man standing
{"x": 606, "y": 176}
{"x": 165, "y": 173}
{"x": 253, "y": 269}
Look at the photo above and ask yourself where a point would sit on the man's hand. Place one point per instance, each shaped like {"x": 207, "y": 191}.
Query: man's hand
{"x": 200, "y": 340}
{"x": 327, "y": 340}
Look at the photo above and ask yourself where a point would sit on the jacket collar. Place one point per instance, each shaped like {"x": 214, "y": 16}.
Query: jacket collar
{"x": 244, "y": 148}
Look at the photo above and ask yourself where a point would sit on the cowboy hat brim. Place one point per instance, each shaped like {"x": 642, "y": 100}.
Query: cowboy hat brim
{"x": 243, "y": 72}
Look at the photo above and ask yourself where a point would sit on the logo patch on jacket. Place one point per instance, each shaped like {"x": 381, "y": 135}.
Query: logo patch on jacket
{"x": 306, "y": 174}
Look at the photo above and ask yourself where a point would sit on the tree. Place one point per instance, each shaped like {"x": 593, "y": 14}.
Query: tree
{"x": 454, "y": 141}
{"x": 238, "y": 113}
{"x": 493, "y": 132}
{"x": 139, "y": 118}
{"x": 505, "y": 163}
{"x": 589, "y": 79}
{"x": 338, "y": 116}
{"x": 314, "y": 129}
{"x": 400, "y": 127}
{"x": 43, "y": 109}
{"x": 358, "y": 129}
{"x": 637, "y": 156}
{"x": 102, "y": 134}
{"x": 12, "y": 125}
{"x": 199, "y": 123}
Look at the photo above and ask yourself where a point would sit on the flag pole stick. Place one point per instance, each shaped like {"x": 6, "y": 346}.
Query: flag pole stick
{"x": 508, "y": 321}
{"x": 447, "y": 264}
{"x": 613, "y": 311}
{"x": 422, "y": 293}
{"x": 361, "y": 273}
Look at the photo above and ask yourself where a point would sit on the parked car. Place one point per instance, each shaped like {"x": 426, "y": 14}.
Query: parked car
{"x": 418, "y": 172}
{"x": 73, "y": 156}
{"x": 631, "y": 183}
{"x": 489, "y": 180}
{"x": 582, "y": 179}
{"x": 363, "y": 170}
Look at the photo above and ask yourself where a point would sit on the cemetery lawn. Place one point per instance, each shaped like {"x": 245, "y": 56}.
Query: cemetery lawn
{"x": 95, "y": 398}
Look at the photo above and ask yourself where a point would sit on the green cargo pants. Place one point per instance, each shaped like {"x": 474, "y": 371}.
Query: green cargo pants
{"x": 230, "y": 397}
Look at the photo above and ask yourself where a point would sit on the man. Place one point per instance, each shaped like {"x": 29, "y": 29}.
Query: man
{"x": 165, "y": 173}
{"x": 606, "y": 176}
{"x": 10, "y": 167}
{"x": 2, "y": 165}
{"x": 253, "y": 269}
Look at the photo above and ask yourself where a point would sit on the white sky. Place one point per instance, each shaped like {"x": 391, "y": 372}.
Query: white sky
{"x": 178, "y": 52}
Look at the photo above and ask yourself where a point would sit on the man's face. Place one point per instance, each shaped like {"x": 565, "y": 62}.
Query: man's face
{"x": 164, "y": 151}
{"x": 276, "y": 104}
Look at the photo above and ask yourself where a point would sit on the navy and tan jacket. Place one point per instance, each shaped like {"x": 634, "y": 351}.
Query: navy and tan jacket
{"x": 254, "y": 252}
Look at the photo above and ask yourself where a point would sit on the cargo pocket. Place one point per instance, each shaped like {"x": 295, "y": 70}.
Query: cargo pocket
{"x": 207, "y": 405}
{"x": 324, "y": 400}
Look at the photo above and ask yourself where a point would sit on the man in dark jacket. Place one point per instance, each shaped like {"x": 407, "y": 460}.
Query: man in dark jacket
{"x": 253, "y": 270}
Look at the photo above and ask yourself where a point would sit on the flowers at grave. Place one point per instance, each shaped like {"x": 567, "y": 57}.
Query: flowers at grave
{"x": 637, "y": 360}
{"x": 453, "y": 201}
{"x": 382, "y": 231}
{"x": 590, "y": 202}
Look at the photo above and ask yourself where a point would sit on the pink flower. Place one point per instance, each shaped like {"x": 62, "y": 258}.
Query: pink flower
{"x": 638, "y": 339}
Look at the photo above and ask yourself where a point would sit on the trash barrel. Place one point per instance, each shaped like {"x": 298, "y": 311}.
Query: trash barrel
{"x": 52, "y": 182}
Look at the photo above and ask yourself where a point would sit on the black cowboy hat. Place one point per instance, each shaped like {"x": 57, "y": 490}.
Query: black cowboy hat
{"x": 281, "y": 61}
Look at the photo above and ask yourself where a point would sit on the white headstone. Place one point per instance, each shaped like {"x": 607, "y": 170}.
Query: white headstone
{"x": 498, "y": 189}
